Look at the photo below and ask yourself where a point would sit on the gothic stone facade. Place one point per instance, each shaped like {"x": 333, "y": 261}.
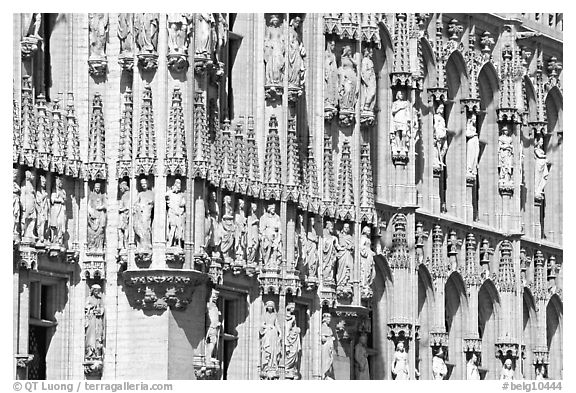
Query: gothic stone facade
{"x": 288, "y": 196}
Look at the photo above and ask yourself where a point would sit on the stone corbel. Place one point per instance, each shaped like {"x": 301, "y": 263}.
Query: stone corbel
{"x": 177, "y": 62}
{"x": 143, "y": 258}
{"x": 94, "y": 265}
{"x": 438, "y": 338}
{"x": 148, "y": 61}
{"x": 399, "y": 330}
{"x": 97, "y": 67}
{"x": 175, "y": 257}
{"x": 126, "y": 61}
{"x": 93, "y": 368}
{"x": 163, "y": 289}
{"x": 350, "y": 321}
{"x": 206, "y": 369}
{"x": 472, "y": 344}
{"x": 29, "y": 46}
{"x": 22, "y": 360}
{"x": 507, "y": 349}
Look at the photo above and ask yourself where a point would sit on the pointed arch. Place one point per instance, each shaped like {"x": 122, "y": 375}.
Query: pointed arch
{"x": 456, "y": 310}
{"x": 554, "y": 336}
{"x": 488, "y": 315}
{"x": 426, "y": 305}
{"x": 530, "y": 97}
{"x": 489, "y": 70}
{"x": 529, "y": 333}
{"x": 381, "y": 313}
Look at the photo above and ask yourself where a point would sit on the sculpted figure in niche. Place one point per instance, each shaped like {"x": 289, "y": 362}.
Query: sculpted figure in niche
{"x": 400, "y": 363}
{"x": 37, "y": 23}
{"x": 472, "y": 372}
{"x": 96, "y": 218}
{"x": 439, "y": 369}
{"x": 327, "y": 353}
{"x": 212, "y": 228}
{"x": 296, "y": 55}
{"x": 367, "y": 272}
{"x": 440, "y": 136}
{"x": 505, "y": 156}
{"x": 94, "y": 324}
{"x": 330, "y": 76}
{"x": 15, "y": 201}
{"x": 228, "y": 230}
{"x": 124, "y": 215}
{"x": 368, "y": 78}
{"x": 540, "y": 373}
{"x": 252, "y": 236}
{"x": 311, "y": 249}
{"x": 541, "y": 168}
{"x": 241, "y": 232}
{"x": 274, "y": 52}
{"x": 125, "y": 34}
{"x": 472, "y": 147}
{"x": 400, "y": 126}
{"x": 176, "y": 215}
{"x": 146, "y": 29}
{"x": 270, "y": 350}
{"x": 178, "y": 33}
{"x": 507, "y": 371}
{"x": 347, "y": 92}
{"x": 203, "y": 34}
{"x": 28, "y": 203}
{"x": 98, "y": 24}
{"x": 42, "y": 211}
{"x": 143, "y": 208}
{"x": 361, "y": 352}
{"x": 329, "y": 252}
{"x": 292, "y": 343}
{"x": 271, "y": 240}
{"x": 213, "y": 326}
{"x": 58, "y": 213}
{"x": 345, "y": 247}
{"x": 299, "y": 244}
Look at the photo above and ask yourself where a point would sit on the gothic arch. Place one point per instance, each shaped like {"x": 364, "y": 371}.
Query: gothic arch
{"x": 456, "y": 82}
{"x": 381, "y": 312}
{"x": 554, "y": 336}
{"x": 529, "y": 333}
{"x": 530, "y": 98}
{"x": 488, "y": 315}
{"x": 426, "y": 304}
{"x": 456, "y": 310}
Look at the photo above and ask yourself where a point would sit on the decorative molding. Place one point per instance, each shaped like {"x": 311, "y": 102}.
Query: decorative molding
{"x": 124, "y": 162}
{"x": 272, "y": 162}
{"x": 145, "y": 161}
{"x": 345, "y": 209}
{"x": 175, "y": 161}
{"x": 96, "y": 167}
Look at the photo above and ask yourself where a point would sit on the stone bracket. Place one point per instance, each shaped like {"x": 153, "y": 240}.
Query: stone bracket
{"x": 507, "y": 349}
{"x": 472, "y": 344}
{"x": 94, "y": 265}
{"x": 206, "y": 369}
{"x": 400, "y": 329}
{"x": 162, "y": 289}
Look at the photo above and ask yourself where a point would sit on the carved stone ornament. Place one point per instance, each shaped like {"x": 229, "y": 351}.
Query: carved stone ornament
{"x": 505, "y": 162}
{"x": 367, "y": 88}
{"x": 30, "y": 44}
{"x": 400, "y": 132}
{"x": 270, "y": 343}
{"x": 94, "y": 266}
{"x": 98, "y": 36}
{"x": 163, "y": 289}
{"x": 126, "y": 37}
{"x": 348, "y": 90}
{"x": 274, "y": 58}
{"x": 146, "y": 32}
{"x": 94, "y": 332}
{"x": 179, "y": 32}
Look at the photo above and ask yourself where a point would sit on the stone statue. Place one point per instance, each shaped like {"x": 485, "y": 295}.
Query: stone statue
{"x": 540, "y": 372}
{"x": 176, "y": 215}
{"x": 274, "y": 52}
{"x": 472, "y": 372}
{"x": 329, "y": 252}
{"x": 439, "y": 369}
{"x": 37, "y": 23}
{"x": 311, "y": 249}
{"x": 292, "y": 343}
{"x": 94, "y": 324}
{"x": 228, "y": 230}
{"x": 368, "y": 79}
{"x": 125, "y": 33}
{"x": 42, "y": 211}
{"x": 327, "y": 351}
{"x": 440, "y": 134}
{"x": 240, "y": 232}
{"x": 367, "y": 272}
{"x": 270, "y": 349}
{"x": 58, "y": 213}
{"x": 96, "y": 218}
{"x": 124, "y": 215}
{"x": 98, "y": 25}
{"x": 541, "y": 168}
{"x": 16, "y": 202}
{"x": 213, "y": 326}
{"x": 348, "y": 78}
{"x": 296, "y": 55}
{"x": 252, "y": 236}
{"x": 28, "y": 203}
{"x": 271, "y": 242}
{"x": 146, "y": 30}
{"x": 330, "y": 76}
{"x": 345, "y": 258}
{"x": 400, "y": 363}
{"x": 400, "y": 127}
{"x": 143, "y": 211}
{"x": 203, "y": 35}
{"x": 213, "y": 234}
{"x": 472, "y": 147}
{"x": 178, "y": 33}
{"x": 505, "y": 156}
{"x": 361, "y": 366}
{"x": 507, "y": 371}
